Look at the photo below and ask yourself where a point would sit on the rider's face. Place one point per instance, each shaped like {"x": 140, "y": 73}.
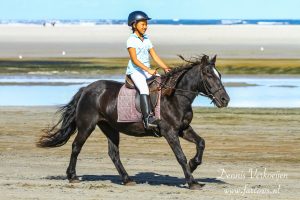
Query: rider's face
{"x": 141, "y": 26}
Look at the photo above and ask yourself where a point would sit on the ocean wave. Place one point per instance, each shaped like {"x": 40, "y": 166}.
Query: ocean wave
{"x": 272, "y": 23}
{"x": 231, "y": 21}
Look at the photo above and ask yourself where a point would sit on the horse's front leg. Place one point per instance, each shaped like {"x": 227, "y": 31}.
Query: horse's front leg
{"x": 190, "y": 135}
{"x": 173, "y": 140}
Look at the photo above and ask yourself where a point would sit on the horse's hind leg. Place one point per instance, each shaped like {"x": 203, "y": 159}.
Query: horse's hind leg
{"x": 85, "y": 128}
{"x": 190, "y": 135}
{"x": 113, "y": 137}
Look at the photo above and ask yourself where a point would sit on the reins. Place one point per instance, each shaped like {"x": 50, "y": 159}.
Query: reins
{"x": 209, "y": 94}
{"x": 182, "y": 90}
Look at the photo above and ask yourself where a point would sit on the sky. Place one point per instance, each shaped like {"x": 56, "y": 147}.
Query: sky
{"x": 157, "y": 9}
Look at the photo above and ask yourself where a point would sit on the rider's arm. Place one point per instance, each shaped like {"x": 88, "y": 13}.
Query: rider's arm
{"x": 157, "y": 59}
{"x": 134, "y": 59}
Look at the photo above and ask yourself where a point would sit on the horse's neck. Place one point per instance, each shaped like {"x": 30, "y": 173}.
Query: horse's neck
{"x": 188, "y": 84}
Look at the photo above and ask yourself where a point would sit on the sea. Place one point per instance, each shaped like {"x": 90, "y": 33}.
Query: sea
{"x": 95, "y": 22}
{"x": 253, "y": 92}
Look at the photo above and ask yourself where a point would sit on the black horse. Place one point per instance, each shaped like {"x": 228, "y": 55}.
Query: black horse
{"x": 96, "y": 104}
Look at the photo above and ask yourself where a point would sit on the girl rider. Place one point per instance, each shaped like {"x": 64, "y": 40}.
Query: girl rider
{"x": 139, "y": 47}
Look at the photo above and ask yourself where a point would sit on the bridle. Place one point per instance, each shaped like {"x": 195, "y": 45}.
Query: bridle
{"x": 208, "y": 90}
{"x": 208, "y": 93}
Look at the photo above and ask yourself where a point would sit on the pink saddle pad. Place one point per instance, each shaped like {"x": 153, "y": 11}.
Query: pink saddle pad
{"x": 127, "y": 111}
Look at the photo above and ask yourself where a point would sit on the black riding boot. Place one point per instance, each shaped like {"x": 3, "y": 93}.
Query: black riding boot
{"x": 148, "y": 118}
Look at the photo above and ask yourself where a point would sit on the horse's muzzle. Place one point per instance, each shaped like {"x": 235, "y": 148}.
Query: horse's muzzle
{"x": 222, "y": 101}
{"x": 225, "y": 100}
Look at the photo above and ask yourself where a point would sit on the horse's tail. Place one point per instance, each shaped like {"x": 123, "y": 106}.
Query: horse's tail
{"x": 58, "y": 136}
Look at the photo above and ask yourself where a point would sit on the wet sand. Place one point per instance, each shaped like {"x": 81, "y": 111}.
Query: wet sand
{"x": 228, "y": 41}
{"x": 238, "y": 142}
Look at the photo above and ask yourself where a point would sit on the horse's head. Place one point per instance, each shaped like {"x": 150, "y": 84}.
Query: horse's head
{"x": 202, "y": 78}
{"x": 211, "y": 82}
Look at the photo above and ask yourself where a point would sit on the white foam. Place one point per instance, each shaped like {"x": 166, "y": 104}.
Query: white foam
{"x": 271, "y": 23}
{"x": 231, "y": 21}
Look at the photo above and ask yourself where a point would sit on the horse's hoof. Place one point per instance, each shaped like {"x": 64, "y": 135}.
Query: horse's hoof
{"x": 74, "y": 180}
{"x": 196, "y": 186}
{"x": 130, "y": 183}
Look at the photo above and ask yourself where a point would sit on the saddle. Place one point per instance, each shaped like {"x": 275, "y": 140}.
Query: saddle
{"x": 154, "y": 88}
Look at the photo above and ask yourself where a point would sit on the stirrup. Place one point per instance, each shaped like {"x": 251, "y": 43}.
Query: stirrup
{"x": 153, "y": 126}
{"x": 150, "y": 122}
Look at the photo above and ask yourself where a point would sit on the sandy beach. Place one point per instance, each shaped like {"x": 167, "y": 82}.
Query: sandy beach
{"x": 228, "y": 41}
{"x": 250, "y": 154}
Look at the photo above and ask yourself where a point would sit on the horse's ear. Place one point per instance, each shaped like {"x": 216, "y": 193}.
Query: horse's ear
{"x": 213, "y": 60}
{"x": 204, "y": 59}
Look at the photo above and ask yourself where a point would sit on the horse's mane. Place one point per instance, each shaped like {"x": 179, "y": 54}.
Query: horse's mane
{"x": 199, "y": 60}
{"x": 170, "y": 79}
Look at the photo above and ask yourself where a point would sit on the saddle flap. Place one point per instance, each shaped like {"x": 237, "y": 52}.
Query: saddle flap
{"x": 126, "y": 108}
{"x": 129, "y": 82}
{"x": 154, "y": 89}
{"x": 153, "y": 100}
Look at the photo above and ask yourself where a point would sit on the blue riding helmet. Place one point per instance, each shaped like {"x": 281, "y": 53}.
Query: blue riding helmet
{"x": 136, "y": 16}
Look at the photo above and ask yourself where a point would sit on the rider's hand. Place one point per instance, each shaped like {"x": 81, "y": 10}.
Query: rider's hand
{"x": 167, "y": 70}
{"x": 152, "y": 71}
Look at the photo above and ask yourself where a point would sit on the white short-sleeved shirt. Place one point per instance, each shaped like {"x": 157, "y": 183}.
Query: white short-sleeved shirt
{"x": 142, "y": 52}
